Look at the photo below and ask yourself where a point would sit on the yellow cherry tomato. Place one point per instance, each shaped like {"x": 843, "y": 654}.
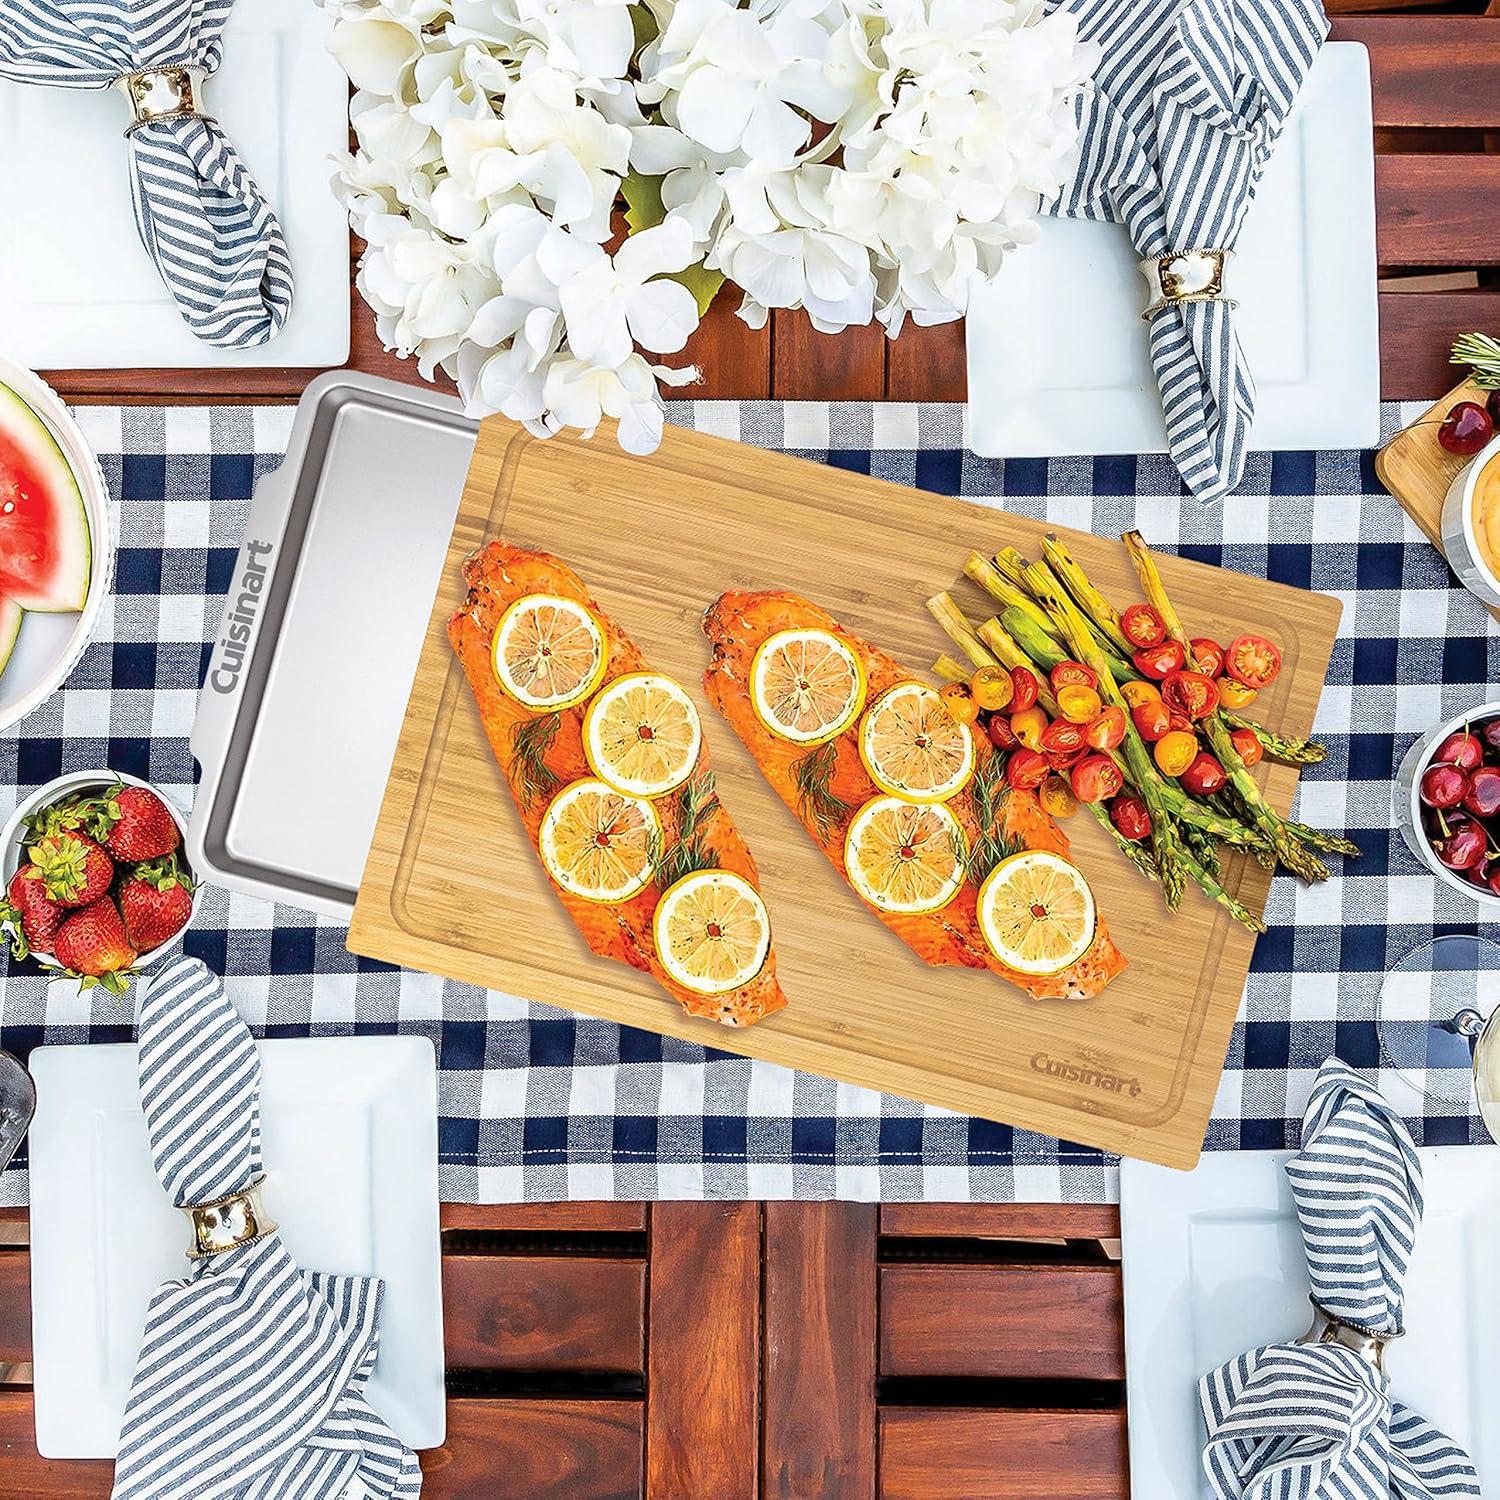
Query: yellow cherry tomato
{"x": 1235, "y": 694}
{"x": 1175, "y": 751}
{"x": 1138, "y": 692}
{"x": 1027, "y": 726}
{"x": 1057, "y": 797}
{"x": 1078, "y": 705}
{"x": 959, "y": 702}
{"x": 992, "y": 689}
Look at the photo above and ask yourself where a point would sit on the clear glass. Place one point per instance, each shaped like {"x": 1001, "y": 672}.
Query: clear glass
{"x": 17, "y": 1105}
{"x": 1439, "y": 1022}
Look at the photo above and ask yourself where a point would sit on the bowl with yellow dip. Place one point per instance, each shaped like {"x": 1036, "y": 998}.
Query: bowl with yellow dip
{"x": 1471, "y": 524}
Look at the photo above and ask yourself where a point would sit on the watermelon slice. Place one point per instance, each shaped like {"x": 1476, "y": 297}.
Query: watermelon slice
{"x": 11, "y": 615}
{"x": 45, "y": 552}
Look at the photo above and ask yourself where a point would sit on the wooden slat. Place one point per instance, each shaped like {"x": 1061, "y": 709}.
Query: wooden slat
{"x": 1416, "y": 330}
{"x": 531, "y": 1312}
{"x": 959, "y": 1454}
{"x": 15, "y": 1307}
{"x": 23, "y": 1472}
{"x": 810, "y": 366}
{"x": 1021, "y": 1221}
{"x": 1436, "y": 210}
{"x": 1023, "y": 1322}
{"x": 927, "y": 364}
{"x": 819, "y": 1421}
{"x": 546, "y": 1218}
{"x": 523, "y": 1450}
{"x": 734, "y": 359}
{"x": 1430, "y": 70}
{"x": 704, "y": 1352}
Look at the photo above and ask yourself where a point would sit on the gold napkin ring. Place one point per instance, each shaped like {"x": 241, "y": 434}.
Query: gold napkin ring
{"x": 166, "y": 93}
{"x": 1184, "y": 276}
{"x": 227, "y": 1223}
{"x": 1327, "y": 1329}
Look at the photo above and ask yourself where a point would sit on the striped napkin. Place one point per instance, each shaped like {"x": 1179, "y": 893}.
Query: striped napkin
{"x": 202, "y": 219}
{"x": 1187, "y": 103}
{"x": 250, "y": 1381}
{"x": 1316, "y": 1421}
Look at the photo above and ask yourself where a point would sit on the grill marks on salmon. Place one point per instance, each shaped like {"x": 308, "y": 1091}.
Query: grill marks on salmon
{"x": 497, "y": 575}
{"x": 737, "y": 624}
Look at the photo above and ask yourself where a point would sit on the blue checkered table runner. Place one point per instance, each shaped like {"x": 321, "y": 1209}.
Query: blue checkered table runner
{"x": 540, "y": 1104}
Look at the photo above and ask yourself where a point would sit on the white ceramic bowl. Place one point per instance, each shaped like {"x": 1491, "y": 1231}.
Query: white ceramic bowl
{"x": 66, "y": 786}
{"x": 50, "y": 645}
{"x": 1409, "y": 801}
{"x": 1459, "y": 542}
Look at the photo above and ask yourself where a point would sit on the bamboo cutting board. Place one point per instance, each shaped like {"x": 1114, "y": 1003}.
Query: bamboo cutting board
{"x": 453, "y": 886}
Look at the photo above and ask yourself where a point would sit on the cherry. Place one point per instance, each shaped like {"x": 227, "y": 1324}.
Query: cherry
{"x": 1490, "y": 730}
{"x": 1492, "y": 406}
{"x": 1494, "y": 880}
{"x": 1443, "y": 786}
{"x": 1463, "y": 848}
{"x": 1461, "y": 749}
{"x": 1466, "y": 428}
{"x": 1483, "y": 796}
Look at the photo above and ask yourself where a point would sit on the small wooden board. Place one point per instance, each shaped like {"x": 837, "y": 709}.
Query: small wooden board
{"x": 452, "y": 885}
{"x": 1417, "y": 470}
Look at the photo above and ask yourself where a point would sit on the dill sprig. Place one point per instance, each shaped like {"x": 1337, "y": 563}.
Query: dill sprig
{"x": 697, "y": 803}
{"x": 1482, "y": 354}
{"x": 530, "y": 741}
{"x": 814, "y": 773}
{"x": 988, "y": 790}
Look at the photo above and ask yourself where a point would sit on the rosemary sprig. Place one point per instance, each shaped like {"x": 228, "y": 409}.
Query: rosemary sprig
{"x": 988, "y": 790}
{"x": 1482, "y": 354}
{"x": 530, "y": 741}
{"x": 814, "y": 773}
{"x": 697, "y": 802}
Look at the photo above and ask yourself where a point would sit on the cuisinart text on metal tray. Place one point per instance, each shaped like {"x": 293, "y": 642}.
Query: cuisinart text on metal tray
{"x": 241, "y": 620}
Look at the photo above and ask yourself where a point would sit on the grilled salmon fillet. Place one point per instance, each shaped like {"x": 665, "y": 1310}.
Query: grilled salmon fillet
{"x": 497, "y": 575}
{"x": 737, "y": 624}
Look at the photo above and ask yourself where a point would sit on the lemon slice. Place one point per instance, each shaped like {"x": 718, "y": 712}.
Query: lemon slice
{"x": 642, "y": 734}
{"x": 905, "y": 857}
{"x": 806, "y": 685}
{"x": 598, "y": 843}
{"x": 549, "y": 652}
{"x": 712, "y": 932}
{"x": 913, "y": 747}
{"x": 1037, "y": 913}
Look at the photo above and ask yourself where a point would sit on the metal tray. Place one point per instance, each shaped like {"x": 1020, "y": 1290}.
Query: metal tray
{"x": 323, "y": 623}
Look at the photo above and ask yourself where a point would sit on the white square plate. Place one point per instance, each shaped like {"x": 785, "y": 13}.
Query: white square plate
{"x": 1058, "y": 355}
{"x": 350, "y": 1141}
{"x": 77, "y": 289}
{"x": 1213, "y": 1265}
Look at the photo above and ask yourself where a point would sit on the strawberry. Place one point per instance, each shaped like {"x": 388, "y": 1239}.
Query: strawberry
{"x": 92, "y": 944}
{"x": 75, "y": 871}
{"x": 140, "y": 825}
{"x": 33, "y": 915}
{"x": 156, "y": 901}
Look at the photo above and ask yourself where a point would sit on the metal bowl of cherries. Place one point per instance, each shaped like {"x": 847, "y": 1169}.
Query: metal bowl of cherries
{"x": 1449, "y": 794}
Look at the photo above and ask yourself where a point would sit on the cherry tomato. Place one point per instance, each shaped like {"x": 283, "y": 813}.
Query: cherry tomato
{"x": 1023, "y": 689}
{"x": 1138, "y": 691}
{"x": 1159, "y": 662}
{"x": 1208, "y": 654}
{"x": 1078, "y": 704}
{"x": 1253, "y": 660}
{"x": 959, "y": 702}
{"x": 1204, "y": 776}
{"x": 1056, "y": 796}
{"x": 1107, "y": 730}
{"x": 1062, "y": 737}
{"x": 1175, "y": 751}
{"x": 1073, "y": 674}
{"x": 1027, "y": 726}
{"x": 1130, "y": 817}
{"x": 1190, "y": 693}
{"x": 1233, "y": 693}
{"x": 1151, "y": 720}
{"x": 1066, "y": 761}
{"x": 1096, "y": 778}
{"x": 1142, "y": 626}
{"x": 1027, "y": 769}
{"x": 1247, "y": 746}
{"x": 991, "y": 688}
{"x": 1002, "y": 736}
{"x": 1179, "y": 721}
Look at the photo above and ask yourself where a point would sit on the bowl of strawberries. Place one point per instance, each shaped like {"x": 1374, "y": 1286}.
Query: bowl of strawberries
{"x": 97, "y": 884}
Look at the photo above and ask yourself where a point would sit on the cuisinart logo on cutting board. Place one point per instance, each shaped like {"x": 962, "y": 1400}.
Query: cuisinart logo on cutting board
{"x": 240, "y": 621}
{"x": 1088, "y": 1071}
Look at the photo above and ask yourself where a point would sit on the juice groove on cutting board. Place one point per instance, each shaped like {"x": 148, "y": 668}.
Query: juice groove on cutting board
{"x": 453, "y": 886}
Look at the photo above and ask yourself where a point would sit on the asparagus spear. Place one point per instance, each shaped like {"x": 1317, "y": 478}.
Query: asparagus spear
{"x": 1290, "y": 850}
{"x": 1290, "y": 752}
{"x": 950, "y": 669}
{"x": 1099, "y": 611}
{"x": 942, "y": 609}
{"x": 1006, "y": 593}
